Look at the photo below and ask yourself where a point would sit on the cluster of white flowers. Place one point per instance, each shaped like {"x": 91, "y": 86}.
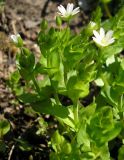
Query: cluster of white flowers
{"x": 67, "y": 13}
{"x": 100, "y": 37}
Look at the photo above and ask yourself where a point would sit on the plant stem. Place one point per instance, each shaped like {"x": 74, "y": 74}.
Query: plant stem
{"x": 55, "y": 94}
{"x": 68, "y": 23}
{"x": 57, "y": 99}
{"x": 99, "y": 62}
{"x": 120, "y": 107}
{"x": 107, "y": 10}
{"x": 75, "y": 110}
{"x": 36, "y": 85}
{"x": 65, "y": 76}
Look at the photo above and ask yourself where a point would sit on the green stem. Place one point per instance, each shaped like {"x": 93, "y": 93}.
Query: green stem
{"x": 65, "y": 76}
{"x": 120, "y": 107}
{"x": 107, "y": 10}
{"x": 99, "y": 61}
{"x": 36, "y": 84}
{"x": 55, "y": 94}
{"x": 75, "y": 110}
{"x": 57, "y": 99}
{"x": 68, "y": 23}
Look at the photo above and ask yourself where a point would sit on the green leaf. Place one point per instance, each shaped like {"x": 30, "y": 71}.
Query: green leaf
{"x": 77, "y": 88}
{"x": 28, "y": 97}
{"x": 114, "y": 49}
{"x": 72, "y": 58}
{"x": 40, "y": 69}
{"x": 104, "y": 152}
{"x": 56, "y": 141}
{"x": 110, "y": 95}
{"x": 27, "y": 59}
{"x": 26, "y": 63}
{"x": 47, "y": 107}
{"x": 27, "y": 75}
{"x": 116, "y": 23}
{"x": 69, "y": 121}
{"x": 4, "y": 127}
{"x": 96, "y": 16}
{"x": 87, "y": 73}
{"x": 87, "y": 112}
{"x": 101, "y": 152}
{"x": 120, "y": 75}
{"x": 73, "y": 51}
{"x": 88, "y": 156}
{"x": 120, "y": 18}
{"x": 53, "y": 62}
{"x": 121, "y": 153}
{"x": 83, "y": 138}
{"x": 103, "y": 127}
{"x": 114, "y": 132}
{"x": 44, "y": 24}
{"x": 60, "y": 144}
{"x": 15, "y": 77}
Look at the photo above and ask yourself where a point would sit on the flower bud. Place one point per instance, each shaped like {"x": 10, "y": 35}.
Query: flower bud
{"x": 58, "y": 21}
{"x": 44, "y": 24}
{"x": 91, "y": 26}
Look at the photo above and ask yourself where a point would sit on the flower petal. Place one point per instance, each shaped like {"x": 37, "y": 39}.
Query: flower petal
{"x": 75, "y": 11}
{"x": 96, "y": 40}
{"x": 102, "y": 33}
{"x": 62, "y": 9}
{"x": 96, "y": 34}
{"x": 109, "y": 34}
{"x": 70, "y": 7}
{"x": 111, "y": 40}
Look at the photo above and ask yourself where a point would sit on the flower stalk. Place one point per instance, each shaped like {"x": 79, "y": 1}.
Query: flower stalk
{"x": 75, "y": 111}
{"x": 36, "y": 85}
{"x": 107, "y": 10}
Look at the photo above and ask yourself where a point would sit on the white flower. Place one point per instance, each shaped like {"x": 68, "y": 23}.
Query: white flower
{"x": 15, "y": 38}
{"x": 68, "y": 12}
{"x": 103, "y": 39}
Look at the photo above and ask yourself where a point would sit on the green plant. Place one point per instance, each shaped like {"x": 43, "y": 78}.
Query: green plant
{"x": 69, "y": 64}
{"x": 4, "y": 129}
